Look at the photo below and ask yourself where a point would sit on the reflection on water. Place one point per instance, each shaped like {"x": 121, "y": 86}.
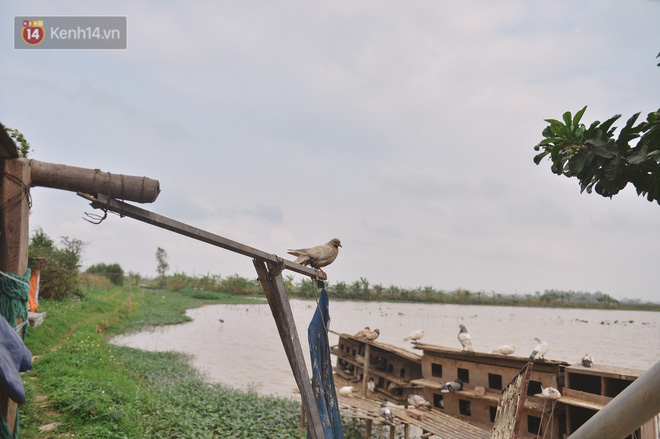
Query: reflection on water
{"x": 239, "y": 344}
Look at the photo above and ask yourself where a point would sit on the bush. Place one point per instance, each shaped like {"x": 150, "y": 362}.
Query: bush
{"x": 59, "y": 266}
{"x": 114, "y": 272}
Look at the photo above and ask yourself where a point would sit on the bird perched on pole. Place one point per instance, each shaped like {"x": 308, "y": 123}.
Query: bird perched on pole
{"x": 465, "y": 338}
{"x": 386, "y": 413}
{"x": 415, "y": 335}
{"x": 540, "y": 349}
{"x": 319, "y": 256}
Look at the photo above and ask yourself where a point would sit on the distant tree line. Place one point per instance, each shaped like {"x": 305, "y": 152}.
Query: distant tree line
{"x": 363, "y": 290}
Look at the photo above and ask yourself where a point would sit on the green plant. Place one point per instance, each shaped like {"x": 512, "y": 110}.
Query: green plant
{"x": 599, "y": 160}
{"x": 23, "y": 144}
{"x": 62, "y": 264}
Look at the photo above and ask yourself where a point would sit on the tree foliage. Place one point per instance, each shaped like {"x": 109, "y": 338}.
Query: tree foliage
{"x": 114, "y": 272}
{"x": 599, "y": 160}
{"x": 163, "y": 266}
{"x": 59, "y": 265}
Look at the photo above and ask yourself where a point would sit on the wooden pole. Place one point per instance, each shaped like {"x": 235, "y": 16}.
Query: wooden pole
{"x": 392, "y": 432}
{"x": 273, "y": 286}
{"x": 130, "y": 286}
{"x": 93, "y": 181}
{"x": 368, "y": 426}
{"x": 365, "y": 368}
{"x": 125, "y": 209}
{"x": 14, "y": 235}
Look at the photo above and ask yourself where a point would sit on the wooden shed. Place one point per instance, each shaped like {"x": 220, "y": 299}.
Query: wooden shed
{"x": 484, "y": 376}
{"x": 391, "y": 368}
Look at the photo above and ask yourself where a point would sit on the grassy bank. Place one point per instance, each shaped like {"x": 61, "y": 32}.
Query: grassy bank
{"x": 81, "y": 386}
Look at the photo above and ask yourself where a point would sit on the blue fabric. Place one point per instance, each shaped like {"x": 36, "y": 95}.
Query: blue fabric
{"x": 14, "y": 358}
{"x": 323, "y": 383}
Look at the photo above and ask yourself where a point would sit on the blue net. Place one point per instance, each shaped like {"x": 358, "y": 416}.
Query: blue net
{"x": 323, "y": 383}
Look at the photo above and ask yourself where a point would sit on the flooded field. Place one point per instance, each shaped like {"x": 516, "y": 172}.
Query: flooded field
{"x": 239, "y": 344}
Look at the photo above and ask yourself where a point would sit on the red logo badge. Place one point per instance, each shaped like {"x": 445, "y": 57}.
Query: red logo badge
{"x": 33, "y": 31}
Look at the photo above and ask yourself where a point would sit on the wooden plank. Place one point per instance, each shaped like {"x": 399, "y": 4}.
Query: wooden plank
{"x": 14, "y": 235}
{"x": 584, "y": 399}
{"x": 273, "y": 285}
{"x": 94, "y": 181}
{"x": 125, "y": 209}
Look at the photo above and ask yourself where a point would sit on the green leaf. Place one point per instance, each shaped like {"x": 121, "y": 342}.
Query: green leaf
{"x": 605, "y": 126}
{"x": 576, "y": 163}
{"x": 602, "y": 145}
{"x": 578, "y": 117}
{"x": 567, "y": 119}
{"x": 638, "y": 153}
{"x": 539, "y": 157}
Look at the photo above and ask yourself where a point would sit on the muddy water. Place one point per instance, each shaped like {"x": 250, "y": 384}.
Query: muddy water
{"x": 239, "y": 344}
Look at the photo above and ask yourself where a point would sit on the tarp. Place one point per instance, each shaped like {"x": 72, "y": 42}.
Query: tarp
{"x": 323, "y": 383}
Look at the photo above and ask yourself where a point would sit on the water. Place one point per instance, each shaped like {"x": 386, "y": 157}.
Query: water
{"x": 239, "y": 345}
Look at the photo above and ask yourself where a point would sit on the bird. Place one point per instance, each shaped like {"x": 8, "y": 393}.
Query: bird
{"x": 359, "y": 358}
{"x": 587, "y": 361}
{"x": 346, "y": 390}
{"x": 418, "y": 401}
{"x": 505, "y": 349}
{"x": 386, "y": 413}
{"x": 371, "y": 384}
{"x": 540, "y": 349}
{"x": 452, "y": 386}
{"x": 319, "y": 256}
{"x": 362, "y": 332}
{"x": 550, "y": 393}
{"x": 465, "y": 339}
{"x": 415, "y": 335}
{"x": 372, "y": 335}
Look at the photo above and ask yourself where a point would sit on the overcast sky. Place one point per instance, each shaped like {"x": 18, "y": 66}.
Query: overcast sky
{"x": 404, "y": 128}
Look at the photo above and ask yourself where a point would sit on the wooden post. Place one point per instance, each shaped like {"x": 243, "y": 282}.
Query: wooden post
{"x": 369, "y": 424}
{"x": 273, "y": 286}
{"x": 130, "y": 286}
{"x": 365, "y": 368}
{"x": 14, "y": 235}
{"x": 406, "y": 431}
{"x": 302, "y": 418}
{"x": 392, "y": 432}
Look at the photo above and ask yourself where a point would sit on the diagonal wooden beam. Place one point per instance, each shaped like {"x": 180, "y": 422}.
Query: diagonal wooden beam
{"x": 273, "y": 286}
{"x": 124, "y": 209}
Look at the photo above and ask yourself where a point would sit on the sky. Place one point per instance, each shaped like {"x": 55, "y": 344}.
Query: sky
{"x": 405, "y": 129}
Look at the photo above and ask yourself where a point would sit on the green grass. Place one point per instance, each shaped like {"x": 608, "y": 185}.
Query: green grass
{"x": 93, "y": 389}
